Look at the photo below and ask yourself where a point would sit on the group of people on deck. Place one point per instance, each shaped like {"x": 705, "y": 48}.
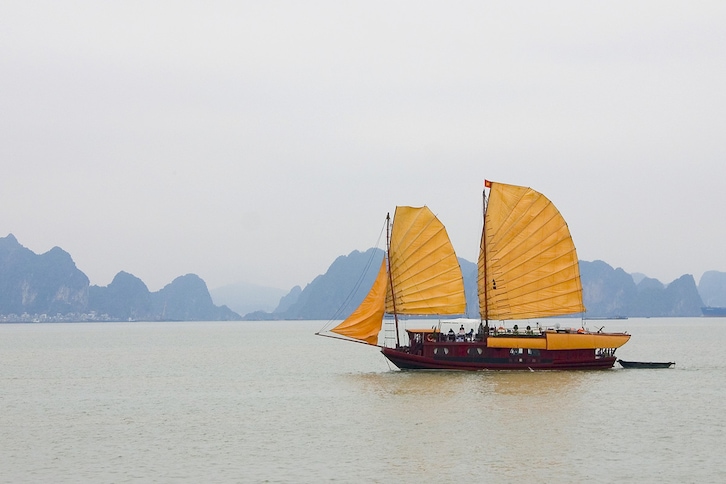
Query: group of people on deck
{"x": 481, "y": 334}
{"x": 462, "y": 335}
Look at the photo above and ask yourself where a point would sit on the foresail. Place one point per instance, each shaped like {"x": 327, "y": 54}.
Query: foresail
{"x": 531, "y": 268}
{"x": 425, "y": 273}
{"x": 365, "y": 322}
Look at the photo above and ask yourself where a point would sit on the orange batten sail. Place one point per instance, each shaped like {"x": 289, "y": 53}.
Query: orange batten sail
{"x": 365, "y": 322}
{"x": 528, "y": 265}
{"x": 424, "y": 269}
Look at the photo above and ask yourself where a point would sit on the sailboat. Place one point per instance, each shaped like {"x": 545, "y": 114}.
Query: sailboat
{"x": 527, "y": 270}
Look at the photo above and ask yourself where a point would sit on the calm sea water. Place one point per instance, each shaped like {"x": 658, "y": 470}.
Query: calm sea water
{"x": 271, "y": 402}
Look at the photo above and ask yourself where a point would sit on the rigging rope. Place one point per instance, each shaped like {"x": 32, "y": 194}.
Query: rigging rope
{"x": 345, "y": 304}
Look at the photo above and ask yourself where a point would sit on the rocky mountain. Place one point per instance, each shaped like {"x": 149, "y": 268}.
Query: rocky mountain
{"x": 187, "y": 298}
{"x": 126, "y": 298}
{"x": 607, "y": 292}
{"x": 712, "y": 288}
{"x": 336, "y": 293}
{"x": 48, "y": 283}
{"x": 49, "y": 287}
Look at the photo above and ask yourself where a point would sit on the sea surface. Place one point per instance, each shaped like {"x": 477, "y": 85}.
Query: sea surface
{"x": 272, "y": 402}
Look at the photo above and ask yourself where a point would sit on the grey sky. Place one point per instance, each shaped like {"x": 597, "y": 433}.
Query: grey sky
{"x": 257, "y": 141}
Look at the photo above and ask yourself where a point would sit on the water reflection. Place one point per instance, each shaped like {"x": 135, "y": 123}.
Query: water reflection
{"x": 444, "y": 382}
{"x": 494, "y": 418}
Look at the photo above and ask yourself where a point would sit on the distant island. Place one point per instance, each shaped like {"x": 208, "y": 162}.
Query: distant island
{"x": 49, "y": 287}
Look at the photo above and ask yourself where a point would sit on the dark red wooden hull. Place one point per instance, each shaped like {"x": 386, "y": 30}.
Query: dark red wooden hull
{"x": 476, "y": 356}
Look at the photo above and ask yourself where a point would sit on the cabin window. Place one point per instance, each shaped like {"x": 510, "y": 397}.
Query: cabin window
{"x": 533, "y": 352}
{"x": 474, "y": 351}
{"x": 442, "y": 351}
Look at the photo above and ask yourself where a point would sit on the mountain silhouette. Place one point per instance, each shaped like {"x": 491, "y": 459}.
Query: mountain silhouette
{"x": 49, "y": 287}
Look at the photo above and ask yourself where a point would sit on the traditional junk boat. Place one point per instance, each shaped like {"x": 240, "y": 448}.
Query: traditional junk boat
{"x": 527, "y": 269}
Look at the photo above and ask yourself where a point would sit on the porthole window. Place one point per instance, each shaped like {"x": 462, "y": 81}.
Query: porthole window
{"x": 444, "y": 351}
{"x": 474, "y": 351}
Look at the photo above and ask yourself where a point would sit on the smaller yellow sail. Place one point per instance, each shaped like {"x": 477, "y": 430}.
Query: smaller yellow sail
{"x": 366, "y": 321}
{"x": 425, "y": 272}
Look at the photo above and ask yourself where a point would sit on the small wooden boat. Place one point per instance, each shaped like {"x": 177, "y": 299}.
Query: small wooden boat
{"x": 645, "y": 364}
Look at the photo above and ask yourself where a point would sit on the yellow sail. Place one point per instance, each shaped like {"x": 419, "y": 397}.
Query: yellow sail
{"x": 365, "y": 322}
{"x": 425, "y": 272}
{"x": 528, "y": 265}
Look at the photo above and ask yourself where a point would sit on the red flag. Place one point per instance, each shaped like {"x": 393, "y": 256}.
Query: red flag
{"x": 487, "y": 184}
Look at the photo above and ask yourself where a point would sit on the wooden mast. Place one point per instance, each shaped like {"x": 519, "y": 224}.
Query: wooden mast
{"x": 390, "y": 276}
{"x": 484, "y": 254}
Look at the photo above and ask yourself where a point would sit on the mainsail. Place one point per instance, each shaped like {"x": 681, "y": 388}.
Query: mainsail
{"x": 424, "y": 279}
{"x": 528, "y": 265}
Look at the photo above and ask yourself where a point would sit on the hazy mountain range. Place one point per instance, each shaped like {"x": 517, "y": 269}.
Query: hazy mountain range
{"x": 49, "y": 287}
{"x": 607, "y": 292}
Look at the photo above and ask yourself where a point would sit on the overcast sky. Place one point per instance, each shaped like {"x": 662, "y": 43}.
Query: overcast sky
{"x": 257, "y": 141}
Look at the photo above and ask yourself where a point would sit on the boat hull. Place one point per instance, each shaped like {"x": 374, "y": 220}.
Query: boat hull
{"x": 567, "y": 360}
{"x": 646, "y": 364}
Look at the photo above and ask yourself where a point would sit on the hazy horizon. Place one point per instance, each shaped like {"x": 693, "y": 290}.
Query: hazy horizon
{"x": 235, "y": 287}
{"x": 256, "y": 142}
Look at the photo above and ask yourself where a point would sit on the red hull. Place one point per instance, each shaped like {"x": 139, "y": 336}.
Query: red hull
{"x": 495, "y": 359}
